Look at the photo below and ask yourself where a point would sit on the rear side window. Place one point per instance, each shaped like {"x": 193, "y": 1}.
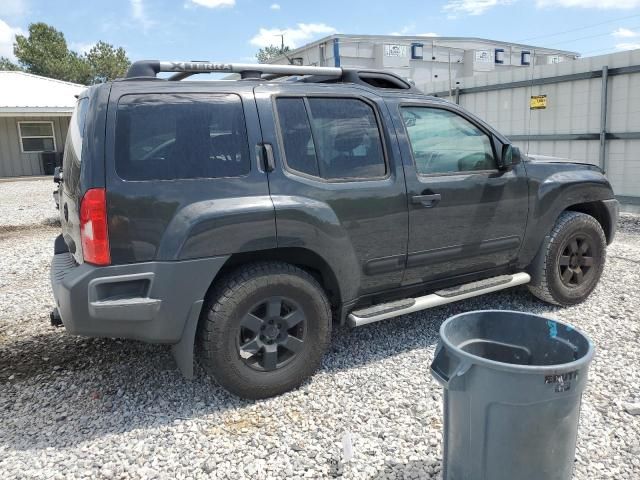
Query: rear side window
{"x": 73, "y": 144}
{"x": 181, "y": 136}
{"x": 331, "y": 138}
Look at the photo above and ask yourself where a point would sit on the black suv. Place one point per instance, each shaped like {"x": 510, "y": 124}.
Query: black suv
{"x": 246, "y": 216}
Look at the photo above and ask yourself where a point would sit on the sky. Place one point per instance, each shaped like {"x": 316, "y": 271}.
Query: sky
{"x": 233, "y": 30}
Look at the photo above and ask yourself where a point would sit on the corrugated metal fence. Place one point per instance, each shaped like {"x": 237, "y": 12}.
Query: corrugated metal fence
{"x": 592, "y": 112}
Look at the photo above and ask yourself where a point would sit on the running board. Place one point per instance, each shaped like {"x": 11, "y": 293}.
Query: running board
{"x": 441, "y": 297}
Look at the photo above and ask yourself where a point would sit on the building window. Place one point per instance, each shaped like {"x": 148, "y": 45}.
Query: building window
{"x": 499, "y": 55}
{"x": 36, "y": 137}
{"x": 525, "y": 58}
{"x": 417, "y": 51}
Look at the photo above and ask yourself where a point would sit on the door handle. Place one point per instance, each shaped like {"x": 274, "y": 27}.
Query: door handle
{"x": 268, "y": 161}
{"x": 428, "y": 201}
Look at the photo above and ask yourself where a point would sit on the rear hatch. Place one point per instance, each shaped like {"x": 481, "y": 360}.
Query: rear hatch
{"x": 71, "y": 190}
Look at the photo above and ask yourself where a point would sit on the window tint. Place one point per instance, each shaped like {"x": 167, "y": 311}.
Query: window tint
{"x": 176, "y": 136}
{"x": 73, "y": 144}
{"x": 333, "y": 138}
{"x": 296, "y": 132}
{"x": 444, "y": 142}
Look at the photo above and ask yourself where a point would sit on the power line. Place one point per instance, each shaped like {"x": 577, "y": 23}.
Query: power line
{"x": 579, "y": 28}
{"x": 588, "y": 37}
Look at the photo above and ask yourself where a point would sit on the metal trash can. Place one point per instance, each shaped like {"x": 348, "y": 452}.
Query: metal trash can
{"x": 513, "y": 386}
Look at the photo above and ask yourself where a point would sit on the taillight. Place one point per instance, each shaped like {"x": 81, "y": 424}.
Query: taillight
{"x": 93, "y": 227}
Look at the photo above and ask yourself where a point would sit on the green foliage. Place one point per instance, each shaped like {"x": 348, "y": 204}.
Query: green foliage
{"x": 106, "y": 62}
{"x": 6, "y": 64}
{"x": 271, "y": 52}
{"x": 45, "y": 52}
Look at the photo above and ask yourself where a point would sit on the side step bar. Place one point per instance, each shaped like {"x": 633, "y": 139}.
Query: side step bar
{"x": 441, "y": 297}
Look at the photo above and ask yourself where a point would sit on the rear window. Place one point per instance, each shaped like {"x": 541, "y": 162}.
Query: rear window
{"x": 180, "y": 136}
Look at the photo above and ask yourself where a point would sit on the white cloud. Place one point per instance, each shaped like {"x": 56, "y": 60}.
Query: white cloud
{"x": 292, "y": 36}
{"x": 472, "y": 7}
{"x": 214, "y": 3}
{"x": 138, "y": 12}
{"x": 600, "y": 4}
{"x": 13, "y": 8}
{"x": 7, "y": 37}
{"x": 408, "y": 29}
{"x": 275, "y": 6}
{"x": 405, "y": 30}
{"x": 628, "y": 46}
{"x": 625, "y": 33}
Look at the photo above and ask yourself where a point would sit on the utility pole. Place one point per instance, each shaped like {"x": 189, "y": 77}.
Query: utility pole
{"x": 281, "y": 35}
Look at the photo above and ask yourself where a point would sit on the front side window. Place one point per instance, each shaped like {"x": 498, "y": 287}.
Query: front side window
{"x": 37, "y": 137}
{"x": 445, "y": 142}
{"x": 331, "y": 138}
{"x": 180, "y": 136}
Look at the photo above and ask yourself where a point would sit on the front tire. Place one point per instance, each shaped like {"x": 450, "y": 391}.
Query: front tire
{"x": 265, "y": 330}
{"x": 570, "y": 261}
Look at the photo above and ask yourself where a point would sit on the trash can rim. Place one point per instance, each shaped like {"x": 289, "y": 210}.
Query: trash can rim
{"x": 474, "y": 359}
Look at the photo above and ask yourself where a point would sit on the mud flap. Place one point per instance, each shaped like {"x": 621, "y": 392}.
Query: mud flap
{"x": 183, "y": 350}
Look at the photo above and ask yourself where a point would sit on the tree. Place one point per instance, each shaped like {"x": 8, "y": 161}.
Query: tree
{"x": 266, "y": 54}
{"x": 6, "y": 64}
{"x": 45, "y": 52}
{"x": 107, "y": 62}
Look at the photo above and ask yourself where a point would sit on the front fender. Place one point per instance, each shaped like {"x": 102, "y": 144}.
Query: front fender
{"x": 555, "y": 188}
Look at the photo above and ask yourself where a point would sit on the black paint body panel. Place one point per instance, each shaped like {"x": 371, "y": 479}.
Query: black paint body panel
{"x": 375, "y": 242}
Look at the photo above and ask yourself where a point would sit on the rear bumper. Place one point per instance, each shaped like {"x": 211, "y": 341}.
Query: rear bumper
{"x": 613, "y": 211}
{"x": 148, "y": 301}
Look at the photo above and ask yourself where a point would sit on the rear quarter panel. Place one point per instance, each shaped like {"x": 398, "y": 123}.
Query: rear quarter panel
{"x": 187, "y": 218}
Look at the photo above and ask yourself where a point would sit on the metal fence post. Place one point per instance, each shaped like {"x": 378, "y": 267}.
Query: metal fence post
{"x": 457, "y": 95}
{"x": 603, "y": 118}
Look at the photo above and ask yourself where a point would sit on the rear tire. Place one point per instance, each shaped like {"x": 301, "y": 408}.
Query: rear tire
{"x": 265, "y": 329}
{"x": 570, "y": 261}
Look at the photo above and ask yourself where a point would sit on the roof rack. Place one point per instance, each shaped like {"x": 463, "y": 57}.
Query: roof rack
{"x": 150, "y": 68}
{"x": 373, "y": 78}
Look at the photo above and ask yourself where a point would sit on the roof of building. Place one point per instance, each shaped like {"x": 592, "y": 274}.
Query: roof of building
{"x": 25, "y": 93}
{"x": 428, "y": 38}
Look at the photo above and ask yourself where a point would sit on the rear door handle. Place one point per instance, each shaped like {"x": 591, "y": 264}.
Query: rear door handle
{"x": 268, "y": 159}
{"x": 428, "y": 201}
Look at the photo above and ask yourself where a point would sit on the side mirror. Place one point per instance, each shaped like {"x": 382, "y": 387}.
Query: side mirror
{"x": 510, "y": 156}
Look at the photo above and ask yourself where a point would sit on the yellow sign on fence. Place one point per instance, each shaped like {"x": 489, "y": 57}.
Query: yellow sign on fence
{"x": 538, "y": 102}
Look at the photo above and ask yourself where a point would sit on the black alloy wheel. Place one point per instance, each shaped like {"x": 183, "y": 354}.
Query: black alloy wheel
{"x": 272, "y": 333}
{"x": 576, "y": 261}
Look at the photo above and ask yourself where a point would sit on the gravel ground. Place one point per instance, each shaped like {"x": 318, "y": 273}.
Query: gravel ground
{"x": 104, "y": 408}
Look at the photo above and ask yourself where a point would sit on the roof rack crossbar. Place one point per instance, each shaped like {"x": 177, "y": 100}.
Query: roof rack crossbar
{"x": 149, "y": 68}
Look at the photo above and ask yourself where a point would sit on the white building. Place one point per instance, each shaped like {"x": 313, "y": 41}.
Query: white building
{"x": 34, "y": 117}
{"x": 423, "y": 59}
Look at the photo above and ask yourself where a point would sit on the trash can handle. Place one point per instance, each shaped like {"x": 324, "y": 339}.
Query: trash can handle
{"x": 446, "y": 368}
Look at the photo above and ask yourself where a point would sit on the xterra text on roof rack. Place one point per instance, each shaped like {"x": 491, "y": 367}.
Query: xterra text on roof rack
{"x": 246, "y": 216}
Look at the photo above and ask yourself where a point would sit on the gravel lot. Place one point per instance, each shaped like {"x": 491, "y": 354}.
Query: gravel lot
{"x": 104, "y": 408}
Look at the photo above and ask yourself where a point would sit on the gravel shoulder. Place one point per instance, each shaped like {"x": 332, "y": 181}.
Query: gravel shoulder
{"x": 72, "y": 407}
